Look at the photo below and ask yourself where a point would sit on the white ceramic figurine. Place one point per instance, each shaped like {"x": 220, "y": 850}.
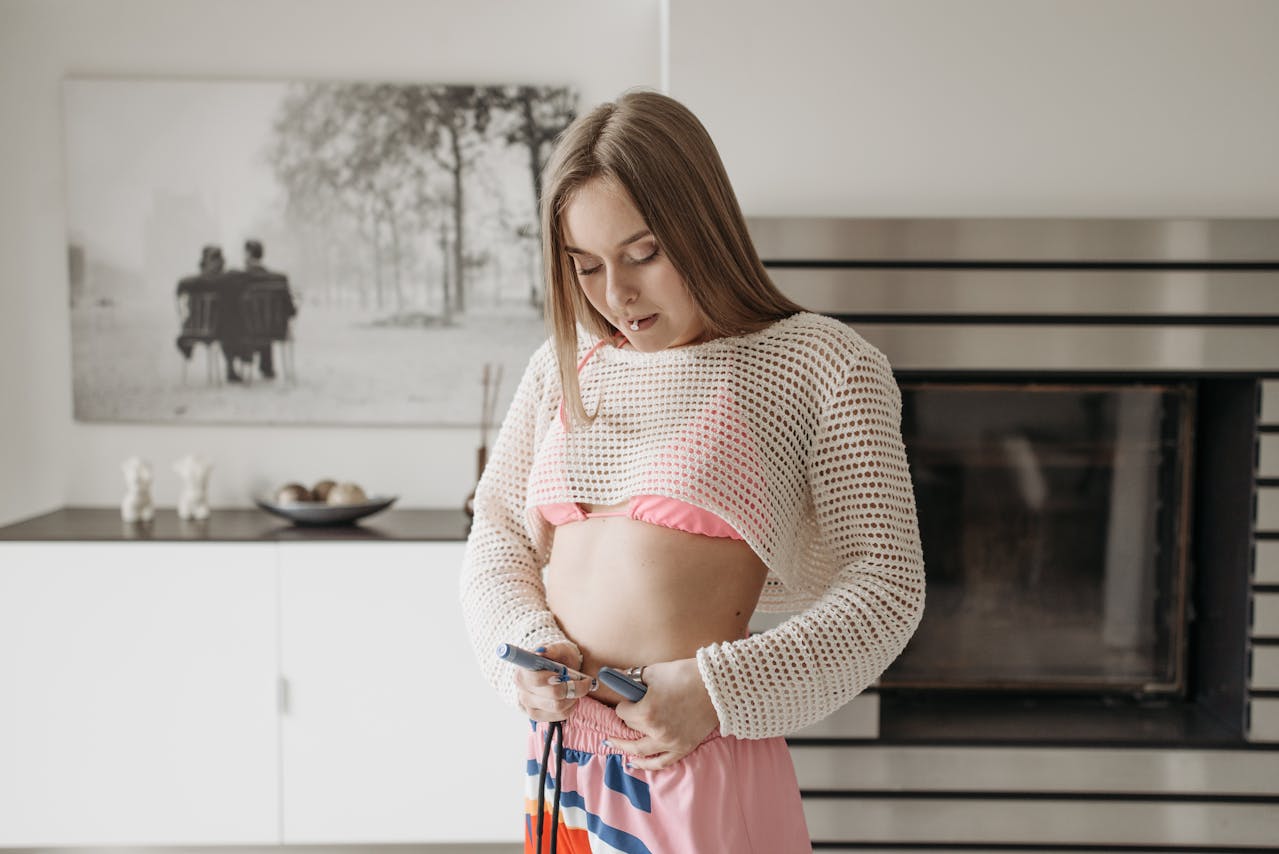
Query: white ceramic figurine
{"x": 193, "y": 500}
{"x": 136, "y": 506}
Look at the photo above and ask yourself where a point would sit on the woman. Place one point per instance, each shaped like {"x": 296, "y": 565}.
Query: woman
{"x": 687, "y": 446}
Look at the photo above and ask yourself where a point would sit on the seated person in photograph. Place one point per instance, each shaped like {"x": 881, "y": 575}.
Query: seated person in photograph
{"x": 272, "y": 324}
{"x": 198, "y": 315}
{"x": 229, "y": 325}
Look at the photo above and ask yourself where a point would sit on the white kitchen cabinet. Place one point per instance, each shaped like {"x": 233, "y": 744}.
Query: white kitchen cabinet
{"x": 137, "y": 694}
{"x": 197, "y": 693}
{"x": 389, "y": 734}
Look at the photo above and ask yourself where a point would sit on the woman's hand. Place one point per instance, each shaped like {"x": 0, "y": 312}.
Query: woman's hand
{"x": 675, "y": 715}
{"x": 543, "y": 695}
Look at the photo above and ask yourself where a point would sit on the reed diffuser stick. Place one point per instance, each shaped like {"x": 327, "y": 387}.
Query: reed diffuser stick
{"x": 484, "y": 405}
{"x": 492, "y": 382}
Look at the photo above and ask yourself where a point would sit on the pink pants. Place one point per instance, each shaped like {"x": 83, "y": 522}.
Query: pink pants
{"x": 729, "y": 794}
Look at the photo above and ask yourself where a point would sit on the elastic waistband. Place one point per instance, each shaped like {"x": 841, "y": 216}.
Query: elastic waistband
{"x": 591, "y": 721}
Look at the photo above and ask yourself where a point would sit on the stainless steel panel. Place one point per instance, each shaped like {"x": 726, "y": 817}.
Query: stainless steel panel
{"x": 1265, "y": 615}
{"x": 1264, "y": 716}
{"x": 1266, "y": 569}
{"x": 858, "y": 718}
{"x": 1265, "y": 670}
{"x": 993, "y": 347}
{"x": 795, "y": 238}
{"x": 1024, "y": 769}
{"x": 1268, "y": 462}
{"x": 898, "y": 849}
{"x": 1061, "y": 822}
{"x": 1270, "y": 402}
{"x": 1268, "y": 509}
{"x": 1031, "y": 292}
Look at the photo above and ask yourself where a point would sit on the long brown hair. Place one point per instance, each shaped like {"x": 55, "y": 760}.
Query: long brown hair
{"x": 655, "y": 149}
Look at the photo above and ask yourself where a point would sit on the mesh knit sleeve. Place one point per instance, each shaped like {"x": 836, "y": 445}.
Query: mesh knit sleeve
{"x": 791, "y": 676}
{"x": 502, "y": 595}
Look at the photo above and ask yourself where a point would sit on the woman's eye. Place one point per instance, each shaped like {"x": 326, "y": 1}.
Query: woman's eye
{"x": 588, "y": 271}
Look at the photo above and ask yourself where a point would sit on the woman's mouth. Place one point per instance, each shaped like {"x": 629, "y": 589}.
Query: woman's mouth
{"x": 640, "y": 324}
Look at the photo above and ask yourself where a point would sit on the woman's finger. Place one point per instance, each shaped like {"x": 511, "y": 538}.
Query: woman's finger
{"x": 540, "y": 683}
{"x": 545, "y": 716}
{"x": 548, "y": 708}
{"x": 553, "y": 699}
{"x": 649, "y": 754}
{"x": 652, "y": 753}
{"x": 646, "y": 746}
{"x": 556, "y": 687}
{"x": 658, "y": 761}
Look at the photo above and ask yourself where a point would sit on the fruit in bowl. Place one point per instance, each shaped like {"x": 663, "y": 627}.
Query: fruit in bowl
{"x": 344, "y": 503}
{"x": 345, "y": 493}
{"x": 292, "y": 493}
{"x": 320, "y": 492}
{"x": 329, "y": 502}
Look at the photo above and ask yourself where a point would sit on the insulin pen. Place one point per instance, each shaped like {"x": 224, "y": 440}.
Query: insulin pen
{"x": 529, "y": 660}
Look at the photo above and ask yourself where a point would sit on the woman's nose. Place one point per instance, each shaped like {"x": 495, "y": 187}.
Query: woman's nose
{"x": 620, "y": 289}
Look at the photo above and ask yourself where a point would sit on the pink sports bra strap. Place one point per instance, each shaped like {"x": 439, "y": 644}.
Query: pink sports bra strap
{"x": 589, "y": 353}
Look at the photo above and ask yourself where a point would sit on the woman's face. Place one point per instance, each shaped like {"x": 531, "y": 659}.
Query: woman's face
{"x": 624, "y": 273}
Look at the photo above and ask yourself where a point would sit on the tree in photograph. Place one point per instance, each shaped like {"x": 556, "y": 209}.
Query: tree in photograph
{"x": 346, "y": 147}
{"x": 538, "y": 115}
{"x": 396, "y": 160}
{"x": 541, "y": 113}
{"x": 454, "y": 122}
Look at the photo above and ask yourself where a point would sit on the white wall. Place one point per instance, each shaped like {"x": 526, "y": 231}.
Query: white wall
{"x": 1155, "y": 108}
{"x": 46, "y": 459}
{"x": 820, "y": 107}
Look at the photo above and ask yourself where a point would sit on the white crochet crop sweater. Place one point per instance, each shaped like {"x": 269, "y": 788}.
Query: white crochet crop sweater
{"x": 791, "y": 435}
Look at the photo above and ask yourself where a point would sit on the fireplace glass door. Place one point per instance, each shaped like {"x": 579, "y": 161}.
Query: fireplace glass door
{"x": 1054, "y": 520}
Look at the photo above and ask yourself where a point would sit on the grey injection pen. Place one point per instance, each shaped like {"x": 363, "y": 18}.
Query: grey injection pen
{"x": 529, "y": 660}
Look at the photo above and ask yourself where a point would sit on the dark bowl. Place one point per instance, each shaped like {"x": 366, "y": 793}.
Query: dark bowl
{"x": 319, "y": 513}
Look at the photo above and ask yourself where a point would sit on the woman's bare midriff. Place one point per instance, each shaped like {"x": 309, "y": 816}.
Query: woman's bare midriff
{"x": 630, "y": 593}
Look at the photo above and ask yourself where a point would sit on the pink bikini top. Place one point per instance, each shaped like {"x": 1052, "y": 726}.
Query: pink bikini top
{"x": 653, "y": 509}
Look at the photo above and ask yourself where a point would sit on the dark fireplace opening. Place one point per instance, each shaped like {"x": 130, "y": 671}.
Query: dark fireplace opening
{"x": 1085, "y": 553}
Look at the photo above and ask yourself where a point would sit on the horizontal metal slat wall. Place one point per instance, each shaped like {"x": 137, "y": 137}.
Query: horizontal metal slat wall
{"x": 1263, "y": 654}
{"x": 941, "y": 797}
{"x": 1095, "y": 771}
{"x": 1112, "y": 297}
{"x": 1043, "y": 822}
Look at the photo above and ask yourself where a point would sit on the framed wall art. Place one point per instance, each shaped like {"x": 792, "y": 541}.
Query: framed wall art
{"x": 255, "y": 252}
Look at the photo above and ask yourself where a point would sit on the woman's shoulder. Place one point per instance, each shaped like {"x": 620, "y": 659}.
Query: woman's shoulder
{"x": 826, "y": 344}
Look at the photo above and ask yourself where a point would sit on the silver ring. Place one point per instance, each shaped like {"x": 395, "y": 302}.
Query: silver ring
{"x": 570, "y": 690}
{"x": 637, "y": 673}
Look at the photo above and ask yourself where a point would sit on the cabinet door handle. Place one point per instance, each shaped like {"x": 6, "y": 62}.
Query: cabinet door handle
{"x": 282, "y": 694}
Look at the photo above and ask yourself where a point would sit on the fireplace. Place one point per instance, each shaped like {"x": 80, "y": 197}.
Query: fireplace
{"x": 1081, "y": 413}
{"x": 1055, "y": 519}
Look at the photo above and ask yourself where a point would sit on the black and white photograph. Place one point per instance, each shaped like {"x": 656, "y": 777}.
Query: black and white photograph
{"x": 258, "y": 252}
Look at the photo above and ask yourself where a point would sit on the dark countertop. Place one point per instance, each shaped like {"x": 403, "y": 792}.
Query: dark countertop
{"x": 103, "y": 524}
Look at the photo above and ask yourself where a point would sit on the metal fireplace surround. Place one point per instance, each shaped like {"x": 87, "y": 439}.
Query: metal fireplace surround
{"x": 1178, "y": 303}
